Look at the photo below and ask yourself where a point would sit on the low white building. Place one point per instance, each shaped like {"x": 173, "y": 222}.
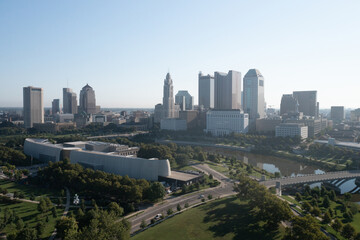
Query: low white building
{"x": 291, "y": 130}
{"x": 225, "y": 122}
{"x": 106, "y": 157}
{"x": 173, "y": 124}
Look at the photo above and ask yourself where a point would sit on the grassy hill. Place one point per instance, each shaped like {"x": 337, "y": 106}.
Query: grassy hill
{"x": 221, "y": 219}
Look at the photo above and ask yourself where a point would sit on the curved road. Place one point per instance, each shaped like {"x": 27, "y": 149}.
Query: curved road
{"x": 224, "y": 189}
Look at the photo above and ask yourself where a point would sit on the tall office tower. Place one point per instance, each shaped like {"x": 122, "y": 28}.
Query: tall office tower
{"x": 227, "y": 90}
{"x": 33, "y": 106}
{"x": 69, "y": 101}
{"x": 184, "y": 100}
{"x": 168, "y": 98}
{"x": 307, "y": 102}
{"x": 337, "y": 113}
{"x": 55, "y": 106}
{"x": 206, "y": 91}
{"x": 87, "y": 100}
{"x": 254, "y": 101}
{"x": 289, "y": 104}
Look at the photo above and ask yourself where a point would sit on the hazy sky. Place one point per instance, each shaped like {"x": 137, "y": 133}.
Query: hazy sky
{"x": 123, "y": 49}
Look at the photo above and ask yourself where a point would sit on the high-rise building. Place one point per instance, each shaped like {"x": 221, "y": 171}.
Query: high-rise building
{"x": 184, "y": 100}
{"x": 289, "y": 104}
{"x": 337, "y": 113}
{"x": 168, "y": 98}
{"x": 206, "y": 91}
{"x": 69, "y": 101}
{"x": 88, "y": 101}
{"x": 227, "y": 90}
{"x": 33, "y": 106}
{"x": 307, "y": 102}
{"x": 254, "y": 100}
{"x": 55, "y": 106}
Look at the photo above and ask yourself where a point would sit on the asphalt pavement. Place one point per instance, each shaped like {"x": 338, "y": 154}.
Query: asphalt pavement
{"x": 224, "y": 189}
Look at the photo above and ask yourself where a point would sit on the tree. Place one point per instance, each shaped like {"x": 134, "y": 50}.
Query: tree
{"x": 182, "y": 159}
{"x": 169, "y": 211}
{"x": 19, "y": 224}
{"x": 53, "y": 212}
{"x": 316, "y": 211}
{"x": 201, "y": 157}
{"x": 25, "y": 234}
{"x": 304, "y": 228}
{"x": 298, "y": 197}
{"x": 186, "y": 205}
{"x": 40, "y": 227}
{"x": 65, "y": 226}
{"x": 326, "y": 202}
{"x": 347, "y": 196}
{"x": 306, "y": 206}
{"x": 155, "y": 191}
{"x": 143, "y": 224}
{"x": 337, "y": 225}
{"x": 114, "y": 207}
{"x": 332, "y": 195}
{"x": 210, "y": 197}
{"x": 348, "y": 231}
{"x": 178, "y": 207}
{"x": 105, "y": 226}
{"x": 42, "y": 206}
{"x": 327, "y": 218}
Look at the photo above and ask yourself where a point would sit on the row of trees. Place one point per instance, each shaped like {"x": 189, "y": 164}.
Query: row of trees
{"x": 12, "y": 156}
{"x": 98, "y": 184}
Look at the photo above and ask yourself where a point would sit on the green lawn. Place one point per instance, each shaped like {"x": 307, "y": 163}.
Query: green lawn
{"x": 28, "y": 189}
{"x": 30, "y": 215}
{"x": 221, "y": 219}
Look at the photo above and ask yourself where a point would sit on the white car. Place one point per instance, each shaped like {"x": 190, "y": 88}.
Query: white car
{"x": 158, "y": 216}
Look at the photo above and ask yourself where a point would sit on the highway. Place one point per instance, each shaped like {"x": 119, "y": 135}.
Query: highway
{"x": 224, "y": 189}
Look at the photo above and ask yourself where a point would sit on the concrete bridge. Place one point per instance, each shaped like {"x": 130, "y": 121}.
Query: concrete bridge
{"x": 310, "y": 178}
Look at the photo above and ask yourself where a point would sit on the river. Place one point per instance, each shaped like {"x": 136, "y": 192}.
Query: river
{"x": 284, "y": 166}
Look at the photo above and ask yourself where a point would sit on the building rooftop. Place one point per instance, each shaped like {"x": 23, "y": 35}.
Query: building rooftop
{"x": 181, "y": 176}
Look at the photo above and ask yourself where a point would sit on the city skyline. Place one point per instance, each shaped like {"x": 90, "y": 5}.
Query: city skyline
{"x": 296, "y": 46}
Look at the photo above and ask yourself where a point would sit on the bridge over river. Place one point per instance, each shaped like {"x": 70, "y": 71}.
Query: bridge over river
{"x": 310, "y": 178}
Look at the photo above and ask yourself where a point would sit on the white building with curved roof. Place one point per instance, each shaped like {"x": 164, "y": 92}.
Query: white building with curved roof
{"x": 105, "y": 160}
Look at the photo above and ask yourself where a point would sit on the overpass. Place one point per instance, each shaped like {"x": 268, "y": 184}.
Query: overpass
{"x": 311, "y": 178}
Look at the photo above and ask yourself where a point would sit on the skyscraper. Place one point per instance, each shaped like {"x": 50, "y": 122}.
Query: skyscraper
{"x": 87, "y": 100}
{"x": 227, "y": 90}
{"x": 33, "y": 106}
{"x": 168, "y": 98}
{"x": 55, "y": 106}
{"x": 289, "y": 104}
{"x": 307, "y": 102}
{"x": 254, "y": 101}
{"x": 206, "y": 91}
{"x": 69, "y": 101}
{"x": 337, "y": 113}
{"x": 184, "y": 100}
